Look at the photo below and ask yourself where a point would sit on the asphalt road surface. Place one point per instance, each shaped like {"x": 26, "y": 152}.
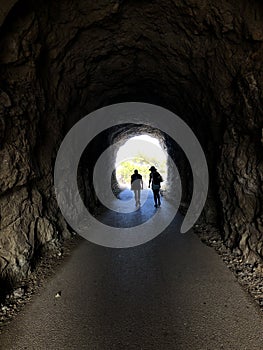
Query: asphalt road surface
{"x": 170, "y": 293}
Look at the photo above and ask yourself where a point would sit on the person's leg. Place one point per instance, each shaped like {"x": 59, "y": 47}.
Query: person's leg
{"x": 155, "y": 197}
{"x": 135, "y": 196}
{"x": 158, "y": 198}
{"x": 139, "y": 196}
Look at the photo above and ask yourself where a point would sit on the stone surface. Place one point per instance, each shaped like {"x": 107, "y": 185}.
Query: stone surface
{"x": 150, "y": 297}
{"x": 61, "y": 60}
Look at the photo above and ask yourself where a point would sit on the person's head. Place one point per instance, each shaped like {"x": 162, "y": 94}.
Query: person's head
{"x": 152, "y": 169}
{"x": 135, "y": 171}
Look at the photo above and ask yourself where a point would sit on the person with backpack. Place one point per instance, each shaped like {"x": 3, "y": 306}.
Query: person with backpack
{"x": 137, "y": 186}
{"x": 155, "y": 179}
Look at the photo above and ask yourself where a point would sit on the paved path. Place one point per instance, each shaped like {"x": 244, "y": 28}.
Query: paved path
{"x": 170, "y": 293}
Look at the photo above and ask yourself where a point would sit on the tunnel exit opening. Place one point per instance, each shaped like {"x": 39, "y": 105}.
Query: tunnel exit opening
{"x": 140, "y": 153}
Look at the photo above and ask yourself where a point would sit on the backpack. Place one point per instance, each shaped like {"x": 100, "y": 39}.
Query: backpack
{"x": 157, "y": 178}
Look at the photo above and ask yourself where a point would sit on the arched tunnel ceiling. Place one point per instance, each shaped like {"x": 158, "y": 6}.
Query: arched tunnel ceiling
{"x": 182, "y": 52}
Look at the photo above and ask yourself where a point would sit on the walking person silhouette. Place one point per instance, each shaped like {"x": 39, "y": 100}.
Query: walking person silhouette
{"x": 137, "y": 186}
{"x": 155, "y": 179}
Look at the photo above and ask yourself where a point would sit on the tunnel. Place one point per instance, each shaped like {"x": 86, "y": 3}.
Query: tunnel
{"x": 61, "y": 61}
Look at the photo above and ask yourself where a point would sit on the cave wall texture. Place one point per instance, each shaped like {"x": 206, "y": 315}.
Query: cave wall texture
{"x": 60, "y": 60}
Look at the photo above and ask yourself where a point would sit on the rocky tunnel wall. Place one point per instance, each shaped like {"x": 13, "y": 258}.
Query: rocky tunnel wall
{"x": 61, "y": 60}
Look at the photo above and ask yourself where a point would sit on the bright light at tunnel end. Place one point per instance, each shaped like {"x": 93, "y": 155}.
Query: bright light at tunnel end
{"x": 78, "y": 138}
